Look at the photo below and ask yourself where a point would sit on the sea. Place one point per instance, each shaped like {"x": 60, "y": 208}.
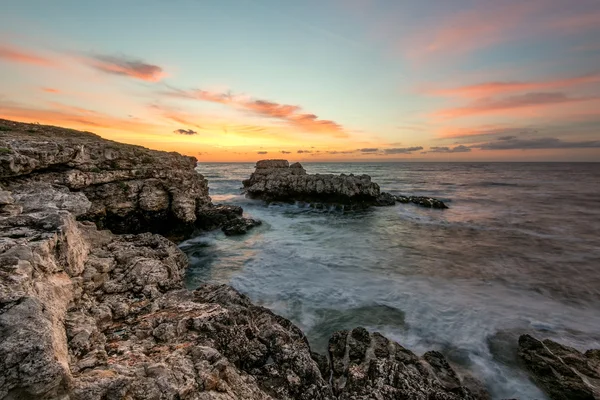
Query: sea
{"x": 518, "y": 251}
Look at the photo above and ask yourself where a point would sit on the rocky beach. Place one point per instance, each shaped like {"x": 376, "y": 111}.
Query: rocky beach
{"x": 93, "y": 303}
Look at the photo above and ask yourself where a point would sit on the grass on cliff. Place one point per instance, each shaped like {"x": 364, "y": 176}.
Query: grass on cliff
{"x": 5, "y": 150}
{"x": 5, "y": 128}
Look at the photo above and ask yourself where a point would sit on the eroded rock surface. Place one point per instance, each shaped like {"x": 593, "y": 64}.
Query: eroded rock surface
{"x": 276, "y": 180}
{"x": 563, "y": 372}
{"x": 131, "y": 189}
{"x": 369, "y": 366}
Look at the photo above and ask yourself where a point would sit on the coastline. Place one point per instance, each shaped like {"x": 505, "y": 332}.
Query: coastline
{"x": 107, "y": 310}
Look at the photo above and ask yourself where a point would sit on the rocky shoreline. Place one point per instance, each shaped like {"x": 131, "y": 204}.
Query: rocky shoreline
{"x": 93, "y": 306}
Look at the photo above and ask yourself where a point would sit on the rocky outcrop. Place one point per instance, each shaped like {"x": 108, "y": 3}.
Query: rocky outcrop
{"x": 131, "y": 189}
{"x": 563, "y": 372}
{"x": 87, "y": 314}
{"x": 276, "y": 180}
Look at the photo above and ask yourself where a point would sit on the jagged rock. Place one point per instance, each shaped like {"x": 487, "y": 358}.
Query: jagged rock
{"x": 561, "y": 371}
{"x": 131, "y": 189}
{"x": 275, "y": 180}
{"x": 239, "y": 226}
{"x": 369, "y": 366}
{"x": 422, "y": 201}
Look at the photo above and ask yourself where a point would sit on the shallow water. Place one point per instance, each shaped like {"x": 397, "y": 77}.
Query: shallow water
{"x": 518, "y": 251}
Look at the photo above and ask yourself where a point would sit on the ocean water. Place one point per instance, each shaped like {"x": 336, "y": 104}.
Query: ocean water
{"x": 518, "y": 251}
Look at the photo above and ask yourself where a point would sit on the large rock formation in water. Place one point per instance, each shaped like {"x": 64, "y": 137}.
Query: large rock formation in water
{"x": 562, "y": 371}
{"x": 276, "y": 180}
{"x": 131, "y": 189}
{"x": 89, "y": 314}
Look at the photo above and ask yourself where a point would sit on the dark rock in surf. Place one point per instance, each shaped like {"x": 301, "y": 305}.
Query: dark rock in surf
{"x": 385, "y": 199}
{"x": 422, "y": 201}
{"x": 239, "y": 226}
{"x": 561, "y": 371}
{"x": 369, "y": 366}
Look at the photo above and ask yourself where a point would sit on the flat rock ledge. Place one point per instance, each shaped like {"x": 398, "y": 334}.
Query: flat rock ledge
{"x": 131, "y": 189}
{"x": 277, "y": 180}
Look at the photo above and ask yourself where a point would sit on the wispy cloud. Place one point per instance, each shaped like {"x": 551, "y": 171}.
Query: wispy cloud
{"x": 125, "y": 66}
{"x": 304, "y": 151}
{"x": 293, "y": 115}
{"x": 14, "y": 54}
{"x": 368, "y": 150}
{"x": 513, "y": 143}
{"x": 285, "y": 152}
{"x": 50, "y": 90}
{"x": 188, "y": 132}
{"x": 262, "y": 152}
{"x": 488, "y": 24}
{"x": 486, "y": 89}
{"x": 528, "y": 100}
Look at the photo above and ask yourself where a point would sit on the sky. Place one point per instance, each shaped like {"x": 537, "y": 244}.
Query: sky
{"x": 312, "y": 80}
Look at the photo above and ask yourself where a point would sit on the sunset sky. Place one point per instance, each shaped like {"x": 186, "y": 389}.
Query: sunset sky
{"x": 312, "y": 80}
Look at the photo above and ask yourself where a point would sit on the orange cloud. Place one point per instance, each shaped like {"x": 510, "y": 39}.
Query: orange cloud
{"x": 525, "y": 101}
{"x": 21, "y": 56}
{"x": 486, "y": 89}
{"x": 126, "y": 67}
{"x": 50, "y": 90}
{"x": 291, "y": 114}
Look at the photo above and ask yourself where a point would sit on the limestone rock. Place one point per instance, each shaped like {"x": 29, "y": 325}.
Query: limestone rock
{"x": 275, "y": 180}
{"x": 121, "y": 187}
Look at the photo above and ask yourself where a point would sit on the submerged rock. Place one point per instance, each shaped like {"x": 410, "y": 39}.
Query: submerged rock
{"x": 131, "y": 189}
{"x": 561, "y": 371}
{"x": 422, "y": 201}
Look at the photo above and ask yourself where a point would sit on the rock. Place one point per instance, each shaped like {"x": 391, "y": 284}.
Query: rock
{"x": 275, "y": 180}
{"x": 369, "y": 366}
{"x": 385, "y": 199}
{"x": 124, "y": 188}
{"x": 422, "y": 201}
{"x": 561, "y": 371}
{"x": 239, "y": 226}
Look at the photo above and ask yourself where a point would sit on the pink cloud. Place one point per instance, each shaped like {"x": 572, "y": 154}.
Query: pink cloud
{"x": 491, "y": 88}
{"x": 491, "y": 23}
{"x": 50, "y": 90}
{"x": 512, "y": 103}
{"x": 126, "y": 67}
{"x": 14, "y": 54}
